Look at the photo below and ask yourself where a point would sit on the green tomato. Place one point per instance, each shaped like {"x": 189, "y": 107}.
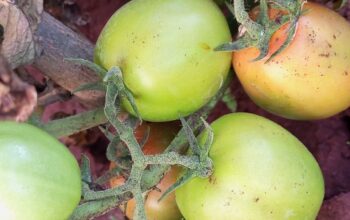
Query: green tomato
{"x": 165, "y": 50}
{"x": 261, "y": 171}
{"x": 40, "y": 178}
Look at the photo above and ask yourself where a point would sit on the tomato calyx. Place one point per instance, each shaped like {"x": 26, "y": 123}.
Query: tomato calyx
{"x": 259, "y": 33}
{"x": 203, "y": 165}
{"x": 114, "y": 77}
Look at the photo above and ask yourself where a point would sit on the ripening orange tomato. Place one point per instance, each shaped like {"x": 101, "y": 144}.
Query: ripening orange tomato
{"x": 310, "y": 79}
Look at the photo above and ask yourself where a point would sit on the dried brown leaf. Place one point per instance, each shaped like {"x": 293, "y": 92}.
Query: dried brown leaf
{"x": 17, "y": 98}
{"x": 33, "y": 10}
{"x": 18, "y": 46}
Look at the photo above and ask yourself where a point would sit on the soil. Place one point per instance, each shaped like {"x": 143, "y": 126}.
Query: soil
{"x": 328, "y": 139}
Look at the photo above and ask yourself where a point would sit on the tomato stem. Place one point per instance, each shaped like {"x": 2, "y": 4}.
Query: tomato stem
{"x": 74, "y": 124}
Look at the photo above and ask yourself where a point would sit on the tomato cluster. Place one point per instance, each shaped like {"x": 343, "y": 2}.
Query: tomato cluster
{"x": 261, "y": 171}
{"x": 165, "y": 49}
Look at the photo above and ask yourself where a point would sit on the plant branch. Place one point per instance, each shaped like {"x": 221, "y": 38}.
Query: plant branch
{"x": 57, "y": 42}
{"x": 73, "y": 124}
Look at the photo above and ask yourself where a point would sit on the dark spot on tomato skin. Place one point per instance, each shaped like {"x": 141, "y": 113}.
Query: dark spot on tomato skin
{"x": 329, "y": 45}
{"x": 346, "y": 73}
{"x": 334, "y": 37}
{"x": 324, "y": 55}
{"x": 330, "y": 66}
{"x": 205, "y": 46}
{"x": 257, "y": 199}
{"x": 212, "y": 179}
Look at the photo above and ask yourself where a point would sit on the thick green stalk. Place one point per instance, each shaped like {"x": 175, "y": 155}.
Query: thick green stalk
{"x": 73, "y": 124}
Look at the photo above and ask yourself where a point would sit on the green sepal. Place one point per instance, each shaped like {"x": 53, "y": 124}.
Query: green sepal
{"x": 95, "y": 86}
{"x": 86, "y": 176}
{"x": 229, "y": 100}
{"x": 101, "y": 72}
{"x": 187, "y": 176}
{"x": 240, "y": 44}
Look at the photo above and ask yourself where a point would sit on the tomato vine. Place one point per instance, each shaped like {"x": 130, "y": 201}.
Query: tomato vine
{"x": 146, "y": 171}
{"x": 140, "y": 179}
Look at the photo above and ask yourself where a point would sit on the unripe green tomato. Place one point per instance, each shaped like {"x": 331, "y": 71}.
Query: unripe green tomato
{"x": 261, "y": 172}
{"x": 40, "y": 178}
{"x": 165, "y": 50}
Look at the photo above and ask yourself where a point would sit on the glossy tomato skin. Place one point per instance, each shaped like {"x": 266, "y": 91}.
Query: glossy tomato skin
{"x": 311, "y": 78}
{"x": 165, "y": 50}
{"x": 161, "y": 134}
{"x": 261, "y": 171}
{"x": 40, "y": 178}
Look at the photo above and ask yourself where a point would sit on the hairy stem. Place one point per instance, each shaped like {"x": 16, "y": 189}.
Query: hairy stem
{"x": 254, "y": 29}
{"x": 73, "y": 124}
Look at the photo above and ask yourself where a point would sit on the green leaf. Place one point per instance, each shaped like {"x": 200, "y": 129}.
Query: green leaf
{"x": 229, "y": 100}
{"x": 106, "y": 177}
{"x": 85, "y": 175}
{"x": 111, "y": 152}
{"x": 187, "y": 176}
{"x": 85, "y": 169}
{"x": 340, "y": 4}
{"x": 98, "y": 86}
{"x": 109, "y": 135}
{"x": 190, "y": 137}
{"x": 101, "y": 72}
{"x": 208, "y": 142}
{"x": 145, "y": 137}
{"x": 241, "y": 43}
